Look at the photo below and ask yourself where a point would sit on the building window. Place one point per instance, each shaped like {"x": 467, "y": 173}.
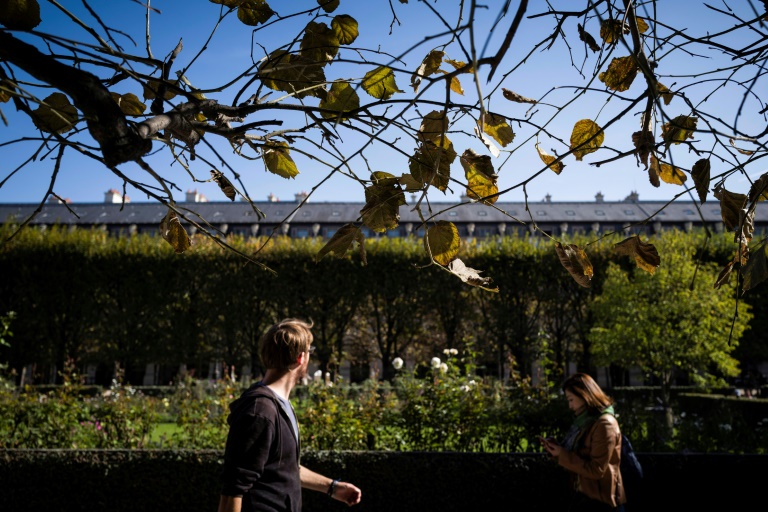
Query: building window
{"x": 452, "y": 214}
{"x": 570, "y": 213}
{"x": 306, "y": 214}
{"x": 688, "y": 212}
{"x": 302, "y": 233}
{"x": 600, "y": 212}
{"x": 393, "y": 233}
{"x": 482, "y": 214}
{"x": 716, "y": 211}
{"x": 629, "y": 212}
{"x": 335, "y": 214}
{"x": 541, "y": 212}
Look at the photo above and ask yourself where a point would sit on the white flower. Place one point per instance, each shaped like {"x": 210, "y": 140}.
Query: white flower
{"x": 435, "y": 363}
{"x": 397, "y": 363}
{"x": 453, "y": 351}
{"x": 464, "y": 388}
{"x": 447, "y": 351}
{"x": 726, "y": 427}
{"x": 318, "y": 375}
{"x": 443, "y": 367}
{"x": 472, "y": 383}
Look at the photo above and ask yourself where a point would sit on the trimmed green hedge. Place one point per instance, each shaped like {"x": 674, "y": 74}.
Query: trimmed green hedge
{"x": 131, "y": 481}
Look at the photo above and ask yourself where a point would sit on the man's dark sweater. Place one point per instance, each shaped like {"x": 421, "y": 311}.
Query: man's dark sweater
{"x": 261, "y": 458}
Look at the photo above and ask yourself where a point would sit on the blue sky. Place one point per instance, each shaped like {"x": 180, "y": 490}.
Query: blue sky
{"x": 229, "y": 52}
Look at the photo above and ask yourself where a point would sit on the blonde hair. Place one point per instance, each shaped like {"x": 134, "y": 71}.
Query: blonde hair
{"x": 282, "y": 344}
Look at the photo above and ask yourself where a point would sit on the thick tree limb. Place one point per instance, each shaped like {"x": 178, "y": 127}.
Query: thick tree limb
{"x": 106, "y": 122}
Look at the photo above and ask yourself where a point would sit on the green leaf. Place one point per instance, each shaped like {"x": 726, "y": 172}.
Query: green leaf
{"x": 575, "y": 261}
{"x": 756, "y": 269}
{"x": 645, "y": 254}
{"x": 480, "y": 175}
{"x": 431, "y": 164}
{"x": 620, "y": 74}
{"x": 679, "y": 129}
{"x": 380, "y": 83}
{"x": 319, "y": 43}
{"x": 340, "y": 98}
{"x": 383, "y": 200}
{"x": 497, "y": 127}
{"x": 254, "y": 12}
{"x": 346, "y": 28}
{"x": 328, "y": 5}
{"x": 443, "y": 242}
{"x": 700, "y": 174}
{"x": 342, "y": 242}
{"x": 20, "y": 14}
{"x": 278, "y": 160}
{"x": 586, "y": 138}
{"x": 55, "y": 115}
{"x": 174, "y": 233}
{"x": 129, "y": 104}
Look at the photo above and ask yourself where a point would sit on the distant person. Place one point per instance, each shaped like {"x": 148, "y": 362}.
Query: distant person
{"x": 261, "y": 458}
{"x": 591, "y": 450}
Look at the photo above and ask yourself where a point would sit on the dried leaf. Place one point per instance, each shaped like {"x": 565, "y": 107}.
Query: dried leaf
{"x": 55, "y": 115}
{"x": 153, "y": 86}
{"x": 742, "y": 151}
{"x": 667, "y": 173}
{"x": 480, "y": 175}
{"x": 328, "y": 5}
{"x": 725, "y": 275}
{"x": 319, "y": 43}
{"x": 443, "y": 242}
{"x": 620, "y": 74}
{"x": 278, "y": 160}
{"x": 665, "y": 93}
{"x": 470, "y": 275}
{"x": 488, "y": 142}
{"x": 341, "y": 98}
{"x": 429, "y": 66}
{"x": 459, "y": 64}
{"x": 679, "y": 129}
{"x": 456, "y": 86}
{"x": 611, "y": 31}
{"x": 380, "y": 83}
{"x": 497, "y": 127}
{"x": 224, "y": 184}
{"x": 586, "y": 138}
{"x": 700, "y": 174}
{"x": 645, "y": 254}
{"x": 731, "y": 205}
{"x": 346, "y": 28}
{"x": 20, "y": 14}
{"x": 129, "y": 104}
{"x": 513, "y": 96}
{"x": 254, "y": 12}
{"x": 431, "y": 164}
{"x": 293, "y": 74}
{"x": 174, "y": 233}
{"x": 550, "y": 160}
{"x": 759, "y": 190}
{"x": 644, "y": 143}
{"x": 383, "y": 200}
{"x": 6, "y": 90}
{"x": 342, "y": 241}
{"x": 410, "y": 184}
{"x": 756, "y": 269}
{"x": 642, "y": 25}
{"x": 588, "y": 39}
{"x": 575, "y": 261}
{"x": 433, "y": 127}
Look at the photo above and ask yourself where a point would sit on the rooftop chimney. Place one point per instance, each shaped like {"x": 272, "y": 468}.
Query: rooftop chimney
{"x": 633, "y": 197}
{"x": 113, "y": 196}
{"x": 548, "y": 198}
{"x": 193, "y": 196}
{"x": 272, "y": 198}
{"x": 599, "y": 197}
{"x": 301, "y": 196}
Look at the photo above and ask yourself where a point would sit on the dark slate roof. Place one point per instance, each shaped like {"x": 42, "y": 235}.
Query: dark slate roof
{"x": 343, "y": 212}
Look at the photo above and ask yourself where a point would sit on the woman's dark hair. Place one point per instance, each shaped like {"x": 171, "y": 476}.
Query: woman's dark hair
{"x": 585, "y": 387}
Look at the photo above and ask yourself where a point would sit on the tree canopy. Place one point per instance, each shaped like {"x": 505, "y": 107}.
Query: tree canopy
{"x": 457, "y": 106}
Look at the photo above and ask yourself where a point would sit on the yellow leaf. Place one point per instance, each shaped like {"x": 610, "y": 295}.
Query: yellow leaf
{"x": 254, "y": 12}
{"x": 620, "y": 74}
{"x": 480, "y": 175}
{"x": 278, "y": 160}
{"x": 575, "y": 261}
{"x": 328, "y": 5}
{"x": 679, "y": 129}
{"x": 470, "y": 275}
{"x": 380, "y": 83}
{"x": 497, "y": 127}
{"x": 6, "y": 90}
{"x": 700, "y": 174}
{"x": 292, "y": 74}
{"x": 645, "y": 254}
{"x": 319, "y": 43}
{"x": 429, "y": 66}
{"x": 152, "y": 86}
{"x": 611, "y": 31}
{"x": 731, "y": 205}
{"x": 431, "y": 164}
{"x": 667, "y": 173}
{"x": 174, "y": 233}
{"x": 342, "y": 241}
{"x": 346, "y": 28}
{"x": 383, "y": 200}
{"x": 129, "y": 104}
{"x": 459, "y": 64}
{"x": 642, "y": 26}
{"x": 513, "y": 96}
{"x": 456, "y": 85}
{"x": 20, "y": 14}
{"x": 433, "y": 127}
{"x": 664, "y": 92}
{"x": 55, "y": 115}
{"x": 341, "y": 98}
{"x": 550, "y": 160}
{"x": 443, "y": 242}
{"x": 586, "y": 138}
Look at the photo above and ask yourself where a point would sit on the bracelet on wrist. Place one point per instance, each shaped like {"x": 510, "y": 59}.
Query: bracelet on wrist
{"x": 332, "y": 487}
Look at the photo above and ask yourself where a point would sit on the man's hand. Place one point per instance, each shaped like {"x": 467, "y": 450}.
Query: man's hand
{"x": 347, "y": 493}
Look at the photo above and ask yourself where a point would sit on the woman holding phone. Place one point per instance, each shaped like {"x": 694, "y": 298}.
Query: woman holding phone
{"x": 591, "y": 450}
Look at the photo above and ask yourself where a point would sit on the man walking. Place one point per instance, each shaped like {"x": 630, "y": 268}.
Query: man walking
{"x": 261, "y": 458}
